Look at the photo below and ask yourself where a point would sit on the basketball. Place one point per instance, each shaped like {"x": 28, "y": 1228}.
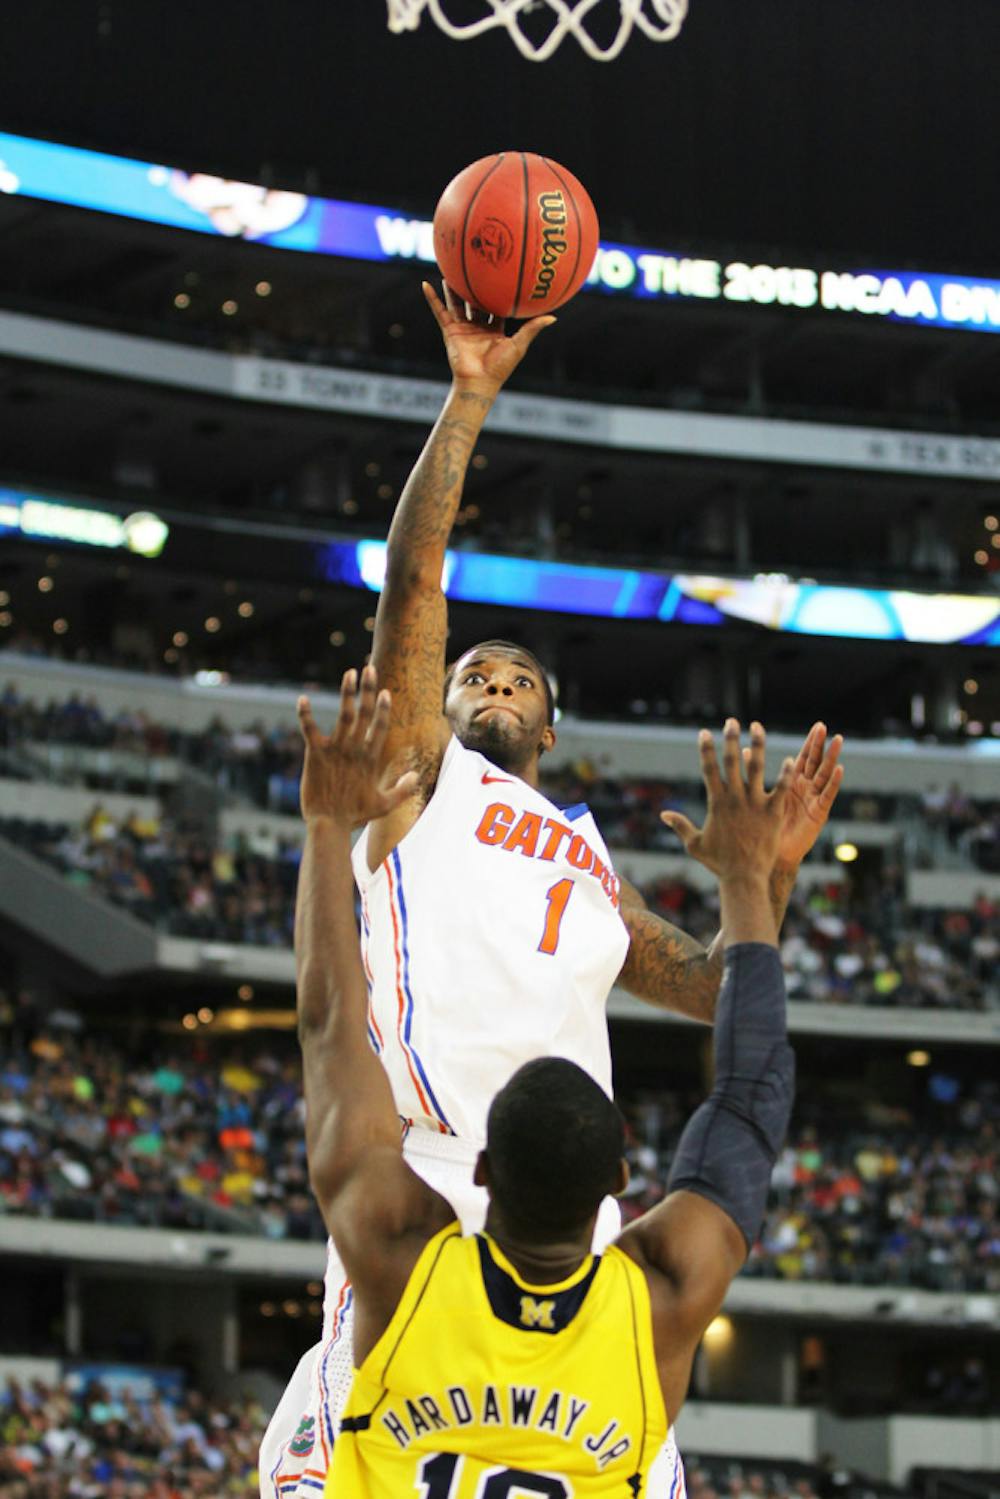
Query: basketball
{"x": 515, "y": 234}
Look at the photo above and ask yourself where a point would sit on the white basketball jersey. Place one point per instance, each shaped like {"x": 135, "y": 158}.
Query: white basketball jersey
{"x": 491, "y": 935}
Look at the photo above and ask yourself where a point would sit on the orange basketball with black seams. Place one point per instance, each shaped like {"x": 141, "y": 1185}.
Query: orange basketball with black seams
{"x": 515, "y": 234}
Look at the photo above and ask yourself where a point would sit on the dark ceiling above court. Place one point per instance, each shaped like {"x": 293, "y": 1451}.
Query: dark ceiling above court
{"x": 835, "y": 125}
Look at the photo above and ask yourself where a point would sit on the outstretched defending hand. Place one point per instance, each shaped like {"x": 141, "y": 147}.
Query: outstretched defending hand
{"x": 340, "y": 777}
{"x": 816, "y": 779}
{"x": 744, "y": 822}
{"x": 479, "y": 351}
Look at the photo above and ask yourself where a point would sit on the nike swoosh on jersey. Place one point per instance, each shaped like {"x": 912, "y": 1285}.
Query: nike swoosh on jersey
{"x": 489, "y": 780}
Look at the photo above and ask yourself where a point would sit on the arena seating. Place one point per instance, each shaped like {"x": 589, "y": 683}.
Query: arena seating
{"x": 261, "y": 766}
{"x": 82, "y": 1440}
{"x": 214, "y": 1139}
{"x": 839, "y": 947}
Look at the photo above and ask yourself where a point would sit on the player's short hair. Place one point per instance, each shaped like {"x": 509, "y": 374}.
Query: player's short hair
{"x": 554, "y": 1143}
{"x": 512, "y": 648}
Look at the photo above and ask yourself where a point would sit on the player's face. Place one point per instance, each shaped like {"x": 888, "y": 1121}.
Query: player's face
{"x": 496, "y": 704}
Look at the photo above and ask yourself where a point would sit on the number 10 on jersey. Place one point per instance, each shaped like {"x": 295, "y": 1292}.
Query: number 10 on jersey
{"x": 557, "y": 899}
{"x": 439, "y": 1476}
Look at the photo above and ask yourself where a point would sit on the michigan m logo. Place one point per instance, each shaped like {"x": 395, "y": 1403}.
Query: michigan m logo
{"x": 537, "y": 1313}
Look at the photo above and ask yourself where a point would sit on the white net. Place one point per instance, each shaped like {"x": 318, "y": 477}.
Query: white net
{"x": 659, "y": 20}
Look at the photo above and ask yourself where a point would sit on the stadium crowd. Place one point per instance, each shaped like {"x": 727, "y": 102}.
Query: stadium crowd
{"x": 262, "y": 765}
{"x": 842, "y": 943}
{"x": 89, "y": 1132}
{"x": 84, "y": 1440}
{"x": 239, "y": 890}
{"x": 896, "y": 1198}
{"x": 191, "y": 1137}
{"x": 76, "y": 1439}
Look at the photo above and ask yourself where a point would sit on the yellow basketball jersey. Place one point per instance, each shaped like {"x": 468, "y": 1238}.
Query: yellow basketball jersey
{"x": 486, "y": 1387}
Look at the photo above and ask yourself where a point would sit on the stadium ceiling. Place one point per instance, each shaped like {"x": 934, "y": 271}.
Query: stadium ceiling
{"x": 838, "y": 126}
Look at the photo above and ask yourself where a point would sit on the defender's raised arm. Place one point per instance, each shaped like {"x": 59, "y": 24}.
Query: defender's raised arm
{"x": 696, "y": 1240}
{"x": 668, "y": 968}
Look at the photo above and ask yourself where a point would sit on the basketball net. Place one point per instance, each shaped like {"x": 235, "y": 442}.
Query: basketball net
{"x": 661, "y": 23}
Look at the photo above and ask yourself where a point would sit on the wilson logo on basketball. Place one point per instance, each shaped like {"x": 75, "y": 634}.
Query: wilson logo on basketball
{"x": 552, "y": 210}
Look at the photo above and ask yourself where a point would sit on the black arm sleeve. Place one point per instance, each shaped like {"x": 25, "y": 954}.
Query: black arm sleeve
{"x": 731, "y": 1142}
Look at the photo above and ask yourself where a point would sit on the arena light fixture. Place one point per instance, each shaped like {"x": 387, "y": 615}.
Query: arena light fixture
{"x": 719, "y": 1331}
{"x": 45, "y": 518}
{"x": 846, "y": 852}
{"x": 918, "y": 1058}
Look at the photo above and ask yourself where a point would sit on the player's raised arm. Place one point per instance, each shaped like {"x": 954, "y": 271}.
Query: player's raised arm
{"x": 411, "y": 619}
{"x": 696, "y": 1240}
{"x": 370, "y": 1199}
{"x": 668, "y": 968}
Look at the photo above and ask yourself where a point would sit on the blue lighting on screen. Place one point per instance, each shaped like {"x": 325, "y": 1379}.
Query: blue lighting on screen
{"x": 776, "y": 603}
{"x": 287, "y": 220}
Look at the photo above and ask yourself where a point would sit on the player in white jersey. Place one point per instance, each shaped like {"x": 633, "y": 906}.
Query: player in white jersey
{"x": 493, "y": 924}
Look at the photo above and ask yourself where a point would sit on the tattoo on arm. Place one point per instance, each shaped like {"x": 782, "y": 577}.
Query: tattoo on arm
{"x": 668, "y": 968}
{"x": 411, "y": 621}
{"x": 426, "y": 511}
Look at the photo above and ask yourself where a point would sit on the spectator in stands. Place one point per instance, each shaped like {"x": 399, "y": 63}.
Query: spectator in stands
{"x": 59, "y": 1442}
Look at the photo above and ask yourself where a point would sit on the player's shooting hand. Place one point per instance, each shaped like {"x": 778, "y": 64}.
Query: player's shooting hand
{"x": 341, "y": 776}
{"x": 481, "y": 355}
{"x": 816, "y": 779}
{"x": 744, "y": 822}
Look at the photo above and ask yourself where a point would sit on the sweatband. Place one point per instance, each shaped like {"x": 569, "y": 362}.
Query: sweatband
{"x": 731, "y": 1142}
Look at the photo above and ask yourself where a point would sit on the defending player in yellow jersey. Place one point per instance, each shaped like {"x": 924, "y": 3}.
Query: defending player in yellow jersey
{"x": 515, "y": 1364}
{"x": 485, "y": 1376}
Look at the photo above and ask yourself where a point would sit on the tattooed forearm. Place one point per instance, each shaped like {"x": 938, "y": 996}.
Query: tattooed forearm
{"x": 670, "y": 969}
{"x": 426, "y": 511}
{"x": 411, "y": 621}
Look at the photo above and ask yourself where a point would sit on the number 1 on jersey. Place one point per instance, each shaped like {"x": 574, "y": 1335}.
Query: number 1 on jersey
{"x": 557, "y": 897}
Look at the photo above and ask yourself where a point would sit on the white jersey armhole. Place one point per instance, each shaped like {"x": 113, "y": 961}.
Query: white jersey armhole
{"x": 363, "y": 872}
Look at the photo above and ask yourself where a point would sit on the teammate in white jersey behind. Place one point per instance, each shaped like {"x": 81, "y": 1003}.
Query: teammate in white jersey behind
{"x": 493, "y": 924}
